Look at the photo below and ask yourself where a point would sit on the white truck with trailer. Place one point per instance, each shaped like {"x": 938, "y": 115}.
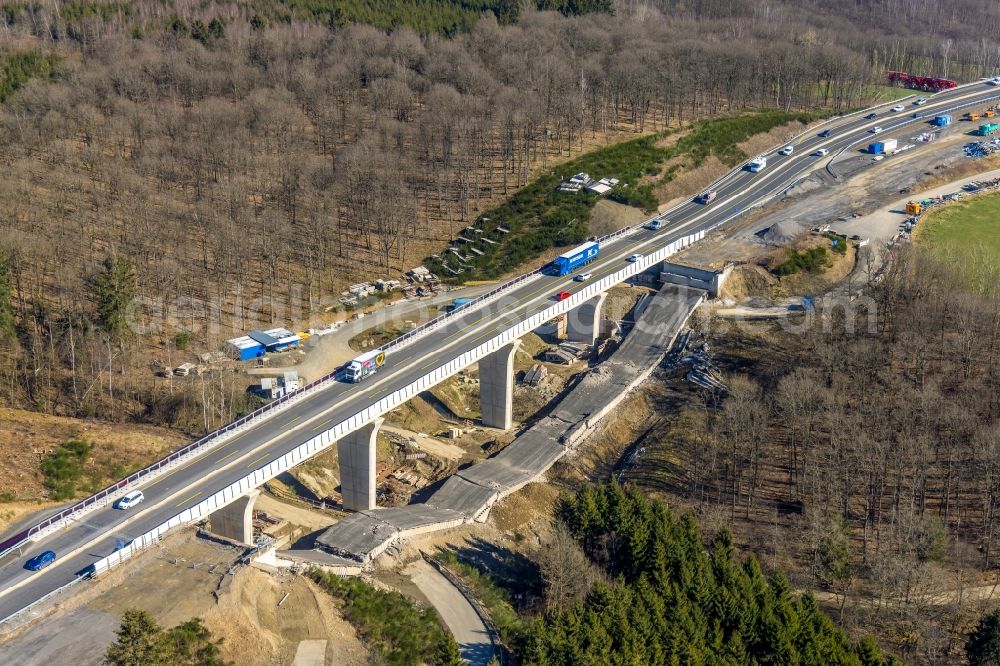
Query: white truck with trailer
{"x": 364, "y": 365}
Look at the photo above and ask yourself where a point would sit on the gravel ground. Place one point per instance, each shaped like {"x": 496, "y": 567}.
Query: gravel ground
{"x": 863, "y": 190}
{"x": 883, "y": 223}
{"x": 57, "y": 640}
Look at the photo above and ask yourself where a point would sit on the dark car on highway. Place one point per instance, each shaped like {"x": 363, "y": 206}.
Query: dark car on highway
{"x": 40, "y": 561}
{"x": 825, "y": 133}
{"x": 871, "y": 116}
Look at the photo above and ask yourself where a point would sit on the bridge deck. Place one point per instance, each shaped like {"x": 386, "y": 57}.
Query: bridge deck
{"x": 471, "y": 492}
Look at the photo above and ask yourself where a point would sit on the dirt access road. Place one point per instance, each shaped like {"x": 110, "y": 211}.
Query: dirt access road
{"x": 327, "y": 352}
{"x": 883, "y": 223}
{"x": 194, "y": 578}
{"x": 864, "y": 192}
{"x": 456, "y": 612}
{"x": 429, "y": 444}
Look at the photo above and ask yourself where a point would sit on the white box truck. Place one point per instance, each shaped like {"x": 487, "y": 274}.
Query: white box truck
{"x": 364, "y": 365}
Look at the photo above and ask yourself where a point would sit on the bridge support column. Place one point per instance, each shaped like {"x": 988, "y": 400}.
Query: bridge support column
{"x": 357, "y": 467}
{"x": 235, "y": 520}
{"x": 496, "y": 387}
{"x": 583, "y": 323}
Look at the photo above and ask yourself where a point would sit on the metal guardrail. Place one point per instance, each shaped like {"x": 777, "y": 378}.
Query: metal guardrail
{"x": 336, "y": 432}
{"x": 481, "y": 300}
{"x": 103, "y": 497}
{"x": 910, "y": 121}
{"x": 492, "y": 630}
{"x": 6, "y": 621}
{"x": 737, "y": 170}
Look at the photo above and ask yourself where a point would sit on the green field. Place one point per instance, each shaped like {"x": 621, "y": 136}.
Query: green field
{"x": 890, "y": 93}
{"x": 967, "y": 236}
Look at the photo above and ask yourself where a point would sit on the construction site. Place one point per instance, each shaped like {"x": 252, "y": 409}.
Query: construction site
{"x": 670, "y": 340}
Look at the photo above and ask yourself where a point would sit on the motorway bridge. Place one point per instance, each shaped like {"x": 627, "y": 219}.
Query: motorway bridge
{"x": 218, "y": 475}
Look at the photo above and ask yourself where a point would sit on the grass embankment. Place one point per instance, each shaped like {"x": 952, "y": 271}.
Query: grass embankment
{"x": 966, "y": 236}
{"x": 393, "y": 627}
{"x": 892, "y": 93}
{"x": 375, "y": 337}
{"x": 539, "y": 217}
{"x": 815, "y": 259}
{"x": 73, "y": 469}
{"x": 497, "y": 598}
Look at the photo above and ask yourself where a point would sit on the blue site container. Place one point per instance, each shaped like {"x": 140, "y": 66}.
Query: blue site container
{"x": 942, "y": 120}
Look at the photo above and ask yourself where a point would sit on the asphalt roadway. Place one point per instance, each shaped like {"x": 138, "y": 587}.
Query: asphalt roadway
{"x": 474, "y": 643}
{"x": 470, "y": 492}
{"x": 94, "y": 536}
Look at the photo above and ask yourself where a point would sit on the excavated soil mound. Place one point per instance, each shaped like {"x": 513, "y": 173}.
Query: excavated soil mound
{"x": 780, "y": 233}
{"x": 748, "y": 281}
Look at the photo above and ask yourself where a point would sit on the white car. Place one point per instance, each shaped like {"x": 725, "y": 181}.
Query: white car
{"x": 634, "y": 257}
{"x": 787, "y": 150}
{"x": 655, "y": 225}
{"x": 897, "y": 108}
{"x": 876, "y": 130}
{"x": 920, "y": 101}
{"x": 995, "y": 81}
{"x": 582, "y": 277}
{"x": 129, "y": 500}
{"x": 822, "y": 152}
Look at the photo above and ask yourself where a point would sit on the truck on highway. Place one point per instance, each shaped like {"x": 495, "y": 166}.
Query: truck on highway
{"x": 569, "y": 261}
{"x": 757, "y": 164}
{"x": 457, "y": 303}
{"x": 364, "y": 365}
{"x": 706, "y": 197}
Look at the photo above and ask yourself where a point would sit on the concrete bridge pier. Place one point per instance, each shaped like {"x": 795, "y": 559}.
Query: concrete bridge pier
{"x": 235, "y": 520}
{"x": 357, "y": 467}
{"x": 583, "y": 323}
{"x": 496, "y": 387}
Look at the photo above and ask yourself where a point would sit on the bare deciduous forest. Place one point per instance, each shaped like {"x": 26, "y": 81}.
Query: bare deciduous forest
{"x": 862, "y": 458}
{"x": 242, "y": 162}
{"x": 252, "y": 163}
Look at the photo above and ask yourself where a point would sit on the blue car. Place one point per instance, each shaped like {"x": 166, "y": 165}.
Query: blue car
{"x": 825, "y": 133}
{"x": 40, "y": 561}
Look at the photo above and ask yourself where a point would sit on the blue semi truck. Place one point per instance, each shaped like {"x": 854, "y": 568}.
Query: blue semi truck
{"x": 569, "y": 261}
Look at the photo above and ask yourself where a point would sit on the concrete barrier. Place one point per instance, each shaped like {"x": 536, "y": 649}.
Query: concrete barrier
{"x": 327, "y": 438}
